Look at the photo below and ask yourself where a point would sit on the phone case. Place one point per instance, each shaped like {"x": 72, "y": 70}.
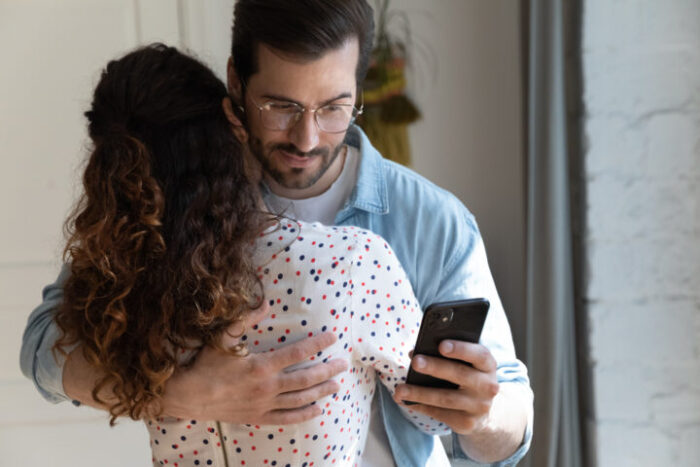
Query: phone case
{"x": 458, "y": 320}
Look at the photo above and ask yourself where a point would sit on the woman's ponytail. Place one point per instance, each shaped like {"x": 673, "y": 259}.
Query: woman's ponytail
{"x": 114, "y": 233}
{"x": 159, "y": 242}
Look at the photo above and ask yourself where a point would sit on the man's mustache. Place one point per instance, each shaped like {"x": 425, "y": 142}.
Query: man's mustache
{"x": 291, "y": 149}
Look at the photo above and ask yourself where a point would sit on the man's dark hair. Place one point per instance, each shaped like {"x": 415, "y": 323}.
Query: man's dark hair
{"x": 304, "y": 28}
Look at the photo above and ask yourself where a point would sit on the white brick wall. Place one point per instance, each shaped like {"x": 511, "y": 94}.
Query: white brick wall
{"x": 641, "y": 62}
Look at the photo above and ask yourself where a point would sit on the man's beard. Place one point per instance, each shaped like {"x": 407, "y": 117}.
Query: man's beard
{"x": 294, "y": 178}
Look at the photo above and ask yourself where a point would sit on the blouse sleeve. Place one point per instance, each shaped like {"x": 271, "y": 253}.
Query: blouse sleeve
{"x": 385, "y": 319}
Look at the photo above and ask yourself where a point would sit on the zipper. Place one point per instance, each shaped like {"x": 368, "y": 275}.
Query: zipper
{"x": 223, "y": 443}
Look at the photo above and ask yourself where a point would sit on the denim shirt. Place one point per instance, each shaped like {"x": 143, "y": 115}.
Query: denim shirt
{"x": 439, "y": 246}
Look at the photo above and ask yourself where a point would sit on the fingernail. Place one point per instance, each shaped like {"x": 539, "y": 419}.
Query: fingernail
{"x": 448, "y": 347}
{"x": 419, "y": 362}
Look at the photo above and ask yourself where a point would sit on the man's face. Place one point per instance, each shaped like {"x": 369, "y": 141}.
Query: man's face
{"x": 299, "y": 157}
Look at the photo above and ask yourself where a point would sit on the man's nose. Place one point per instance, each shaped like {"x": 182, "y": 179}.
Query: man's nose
{"x": 304, "y": 134}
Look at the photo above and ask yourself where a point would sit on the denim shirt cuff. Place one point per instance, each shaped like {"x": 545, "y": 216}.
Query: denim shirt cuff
{"x": 511, "y": 461}
{"x": 48, "y": 375}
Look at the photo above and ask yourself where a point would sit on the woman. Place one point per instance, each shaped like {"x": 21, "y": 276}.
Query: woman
{"x": 167, "y": 249}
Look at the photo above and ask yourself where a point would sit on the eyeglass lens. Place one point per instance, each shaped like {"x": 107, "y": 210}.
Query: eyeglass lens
{"x": 331, "y": 118}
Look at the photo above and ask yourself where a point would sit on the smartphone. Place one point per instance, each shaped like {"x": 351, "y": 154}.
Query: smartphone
{"x": 460, "y": 320}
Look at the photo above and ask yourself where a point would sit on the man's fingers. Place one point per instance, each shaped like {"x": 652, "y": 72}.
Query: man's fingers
{"x": 298, "y": 399}
{"x": 456, "y": 420}
{"x": 476, "y": 354}
{"x": 306, "y": 378}
{"x": 290, "y": 417}
{"x": 443, "y": 398}
{"x": 300, "y": 351}
{"x": 478, "y": 382}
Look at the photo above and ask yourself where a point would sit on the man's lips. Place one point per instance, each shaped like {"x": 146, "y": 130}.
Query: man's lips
{"x": 294, "y": 161}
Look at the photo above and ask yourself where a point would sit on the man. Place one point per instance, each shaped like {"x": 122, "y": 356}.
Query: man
{"x": 293, "y": 76}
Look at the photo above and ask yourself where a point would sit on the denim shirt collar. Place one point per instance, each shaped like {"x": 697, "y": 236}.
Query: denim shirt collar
{"x": 370, "y": 193}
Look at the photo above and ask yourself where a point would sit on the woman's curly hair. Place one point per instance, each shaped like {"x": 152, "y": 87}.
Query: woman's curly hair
{"x": 159, "y": 243}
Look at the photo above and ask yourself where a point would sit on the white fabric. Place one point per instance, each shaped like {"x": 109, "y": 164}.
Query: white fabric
{"x": 377, "y": 452}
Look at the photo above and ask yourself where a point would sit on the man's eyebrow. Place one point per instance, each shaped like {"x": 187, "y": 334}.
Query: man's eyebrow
{"x": 276, "y": 97}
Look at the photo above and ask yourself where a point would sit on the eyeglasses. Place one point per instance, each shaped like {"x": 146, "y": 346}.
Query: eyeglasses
{"x": 330, "y": 118}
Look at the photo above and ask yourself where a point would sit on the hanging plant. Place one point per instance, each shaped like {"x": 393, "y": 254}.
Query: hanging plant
{"x": 388, "y": 110}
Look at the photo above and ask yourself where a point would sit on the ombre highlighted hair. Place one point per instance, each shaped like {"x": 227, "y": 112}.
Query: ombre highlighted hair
{"x": 159, "y": 243}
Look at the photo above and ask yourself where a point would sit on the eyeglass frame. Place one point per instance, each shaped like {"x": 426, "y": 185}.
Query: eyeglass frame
{"x": 302, "y": 110}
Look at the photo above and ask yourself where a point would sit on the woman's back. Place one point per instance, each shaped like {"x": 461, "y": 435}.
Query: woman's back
{"x": 316, "y": 278}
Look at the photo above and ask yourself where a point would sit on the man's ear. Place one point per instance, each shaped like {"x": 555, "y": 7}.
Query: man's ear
{"x": 236, "y": 126}
{"x": 234, "y": 84}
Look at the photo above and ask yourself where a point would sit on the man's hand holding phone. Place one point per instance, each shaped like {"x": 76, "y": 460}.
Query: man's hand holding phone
{"x": 465, "y": 408}
{"x": 447, "y": 349}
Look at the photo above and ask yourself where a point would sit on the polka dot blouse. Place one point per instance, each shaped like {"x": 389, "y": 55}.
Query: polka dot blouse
{"x": 316, "y": 278}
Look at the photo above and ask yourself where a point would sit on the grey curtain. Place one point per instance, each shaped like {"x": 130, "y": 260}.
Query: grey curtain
{"x": 554, "y": 315}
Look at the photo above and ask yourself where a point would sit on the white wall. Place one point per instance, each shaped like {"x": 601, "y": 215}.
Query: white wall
{"x": 641, "y": 70}
{"x": 468, "y": 142}
{"x": 470, "y": 138}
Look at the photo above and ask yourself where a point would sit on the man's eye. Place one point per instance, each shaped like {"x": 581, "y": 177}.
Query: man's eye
{"x": 287, "y": 108}
{"x": 333, "y": 109}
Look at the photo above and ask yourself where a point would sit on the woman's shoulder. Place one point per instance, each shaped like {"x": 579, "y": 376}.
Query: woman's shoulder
{"x": 332, "y": 234}
{"x": 344, "y": 244}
